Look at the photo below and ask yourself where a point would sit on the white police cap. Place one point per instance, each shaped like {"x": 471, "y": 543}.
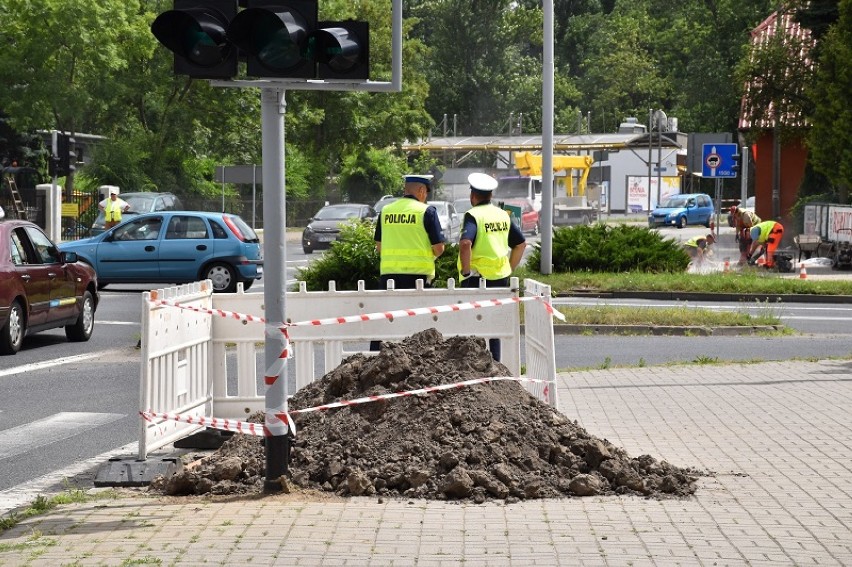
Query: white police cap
{"x": 482, "y": 182}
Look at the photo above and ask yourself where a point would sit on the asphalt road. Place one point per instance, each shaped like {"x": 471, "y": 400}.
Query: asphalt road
{"x": 64, "y": 403}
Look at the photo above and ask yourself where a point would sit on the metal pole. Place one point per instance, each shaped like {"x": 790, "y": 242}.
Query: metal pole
{"x": 659, "y": 159}
{"x": 743, "y": 174}
{"x": 547, "y": 143}
{"x": 650, "y": 152}
{"x": 253, "y": 195}
{"x": 274, "y": 293}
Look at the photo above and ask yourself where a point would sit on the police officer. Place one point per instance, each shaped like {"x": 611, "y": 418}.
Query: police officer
{"x": 490, "y": 246}
{"x": 409, "y": 237}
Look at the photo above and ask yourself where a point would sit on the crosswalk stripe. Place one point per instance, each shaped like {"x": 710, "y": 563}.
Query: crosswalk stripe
{"x": 48, "y": 363}
{"x": 56, "y": 427}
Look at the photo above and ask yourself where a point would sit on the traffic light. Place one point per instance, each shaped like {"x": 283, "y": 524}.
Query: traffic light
{"x": 736, "y": 167}
{"x": 343, "y": 50}
{"x": 196, "y": 32}
{"x": 64, "y": 162}
{"x": 275, "y": 38}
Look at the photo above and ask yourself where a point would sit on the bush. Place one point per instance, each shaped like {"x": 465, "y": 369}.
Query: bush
{"x": 353, "y": 257}
{"x": 618, "y": 248}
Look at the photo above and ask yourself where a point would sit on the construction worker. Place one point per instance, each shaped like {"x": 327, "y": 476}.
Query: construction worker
{"x": 743, "y": 219}
{"x": 490, "y": 246}
{"x": 767, "y": 236}
{"x": 112, "y": 207}
{"x": 698, "y": 246}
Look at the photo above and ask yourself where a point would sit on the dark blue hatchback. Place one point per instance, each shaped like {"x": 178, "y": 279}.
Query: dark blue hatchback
{"x": 175, "y": 247}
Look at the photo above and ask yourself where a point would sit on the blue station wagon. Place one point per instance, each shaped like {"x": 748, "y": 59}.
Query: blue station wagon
{"x": 175, "y": 247}
{"x": 683, "y": 210}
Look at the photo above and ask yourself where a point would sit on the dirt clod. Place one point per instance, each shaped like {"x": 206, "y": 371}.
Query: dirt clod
{"x": 482, "y": 442}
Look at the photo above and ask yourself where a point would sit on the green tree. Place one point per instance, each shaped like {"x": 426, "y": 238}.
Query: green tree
{"x": 830, "y": 136}
{"x": 369, "y": 174}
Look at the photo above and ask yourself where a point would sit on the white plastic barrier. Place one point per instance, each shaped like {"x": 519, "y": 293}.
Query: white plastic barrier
{"x": 175, "y": 362}
{"x": 243, "y": 337}
{"x": 539, "y": 344}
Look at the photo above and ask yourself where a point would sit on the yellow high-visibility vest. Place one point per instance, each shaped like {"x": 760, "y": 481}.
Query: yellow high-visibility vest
{"x": 406, "y": 248}
{"x": 490, "y": 253}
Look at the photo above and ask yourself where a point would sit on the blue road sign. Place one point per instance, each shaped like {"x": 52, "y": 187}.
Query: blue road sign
{"x": 718, "y": 160}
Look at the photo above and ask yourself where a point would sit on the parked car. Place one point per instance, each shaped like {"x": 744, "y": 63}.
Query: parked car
{"x": 681, "y": 210}
{"x": 462, "y": 205}
{"x": 450, "y": 220}
{"x": 384, "y": 201}
{"x": 41, "y": 287}
{"x": 175, "y": 247}
{"x": 324, "y": 227}
{"x": 529, "y": 221}
{"x": 141, "y": 202}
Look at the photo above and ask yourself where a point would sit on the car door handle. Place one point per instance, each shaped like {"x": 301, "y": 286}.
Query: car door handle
{"x": 51, "y": 275}
{"x": 25, "y": 277}
{"x": 201, "y": 247}
{"x": 149, "y": 249}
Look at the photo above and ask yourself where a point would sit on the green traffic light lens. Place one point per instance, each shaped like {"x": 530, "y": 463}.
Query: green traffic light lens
{"x": 200, "y": 47}
{"x": 276, "y": 42}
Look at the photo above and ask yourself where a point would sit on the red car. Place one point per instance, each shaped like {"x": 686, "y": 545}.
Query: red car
{"x": 529, "y": 216}
{"x": 42, "y": 288}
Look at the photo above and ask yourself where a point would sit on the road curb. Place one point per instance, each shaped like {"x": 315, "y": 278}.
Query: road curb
{"x": 703, "y": 296}
{"x": 665, "y": 330}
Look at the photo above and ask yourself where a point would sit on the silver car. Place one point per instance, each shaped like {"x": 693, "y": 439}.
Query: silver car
{"x": 450, "y": 220}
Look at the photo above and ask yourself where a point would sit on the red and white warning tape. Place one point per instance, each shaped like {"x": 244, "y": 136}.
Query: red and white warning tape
{"x": 368, "y": 316}
{"x": 260, "y": 430}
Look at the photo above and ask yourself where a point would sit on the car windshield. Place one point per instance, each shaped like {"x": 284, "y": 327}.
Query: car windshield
{"x": 140, "y": 203}
{"x": 440, "y": 206}
{"x": 338, "y": 213}
{"x": 462, "y": 205}
{"x": 384, "y": 203}
{"x": 675, "y": 203}
{"x": 513, "y": 187}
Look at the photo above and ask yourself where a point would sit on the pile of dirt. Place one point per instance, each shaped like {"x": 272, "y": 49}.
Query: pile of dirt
{"x": 481, "y": 442}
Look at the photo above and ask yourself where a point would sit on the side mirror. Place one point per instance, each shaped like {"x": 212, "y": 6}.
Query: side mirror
{"x": 68, "y": 257}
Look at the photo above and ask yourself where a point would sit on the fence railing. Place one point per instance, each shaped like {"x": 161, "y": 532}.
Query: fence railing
{"x": 188, "y": 364}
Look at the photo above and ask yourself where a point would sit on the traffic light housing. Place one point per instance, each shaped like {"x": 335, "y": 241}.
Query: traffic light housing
{"x": 196, "y": 32}
{"x": 275, "y": 38}
{"x": 737, "y": 166}
{"x": 343, "y": 50}
{"x": 65, "y": 160}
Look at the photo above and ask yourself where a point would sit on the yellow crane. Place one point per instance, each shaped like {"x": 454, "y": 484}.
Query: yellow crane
{"x": 529, "y": 164}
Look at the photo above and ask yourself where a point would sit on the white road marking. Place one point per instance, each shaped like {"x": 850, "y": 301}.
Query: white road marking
{"x": 49, "y": 363}
{"x": 49, "y": 430}
{"x": 55, "y": 482}
{"x": 128, "y": 323}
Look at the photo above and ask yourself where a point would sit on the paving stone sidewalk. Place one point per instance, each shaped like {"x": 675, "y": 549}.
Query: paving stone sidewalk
{"x": 777, "y": 437}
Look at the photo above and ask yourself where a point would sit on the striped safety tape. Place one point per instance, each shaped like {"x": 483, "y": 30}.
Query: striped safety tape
{"x": 391, "y": 315}
{"x": 260, "y": 430}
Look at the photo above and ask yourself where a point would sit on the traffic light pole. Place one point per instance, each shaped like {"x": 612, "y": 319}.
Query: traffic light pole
{"x": 274, "y": 287}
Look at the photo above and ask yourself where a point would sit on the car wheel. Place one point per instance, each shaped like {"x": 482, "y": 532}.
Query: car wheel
{"x": 81, "y": 330}
{"x": 247, "y": 284}
{"x": 12, "y": 334}
{"x": 223, "y": 276}
{"x": 681, "y": 222}
{"x": 307, "y": 249}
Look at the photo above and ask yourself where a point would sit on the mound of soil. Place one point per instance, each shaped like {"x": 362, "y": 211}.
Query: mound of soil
{"x": 481, "y": 442}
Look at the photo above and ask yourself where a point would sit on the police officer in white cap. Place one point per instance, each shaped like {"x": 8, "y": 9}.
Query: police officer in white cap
{"x": 490, "y": 246}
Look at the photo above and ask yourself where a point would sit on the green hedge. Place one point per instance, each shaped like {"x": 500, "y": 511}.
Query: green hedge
{"x": 612, "y": 249}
